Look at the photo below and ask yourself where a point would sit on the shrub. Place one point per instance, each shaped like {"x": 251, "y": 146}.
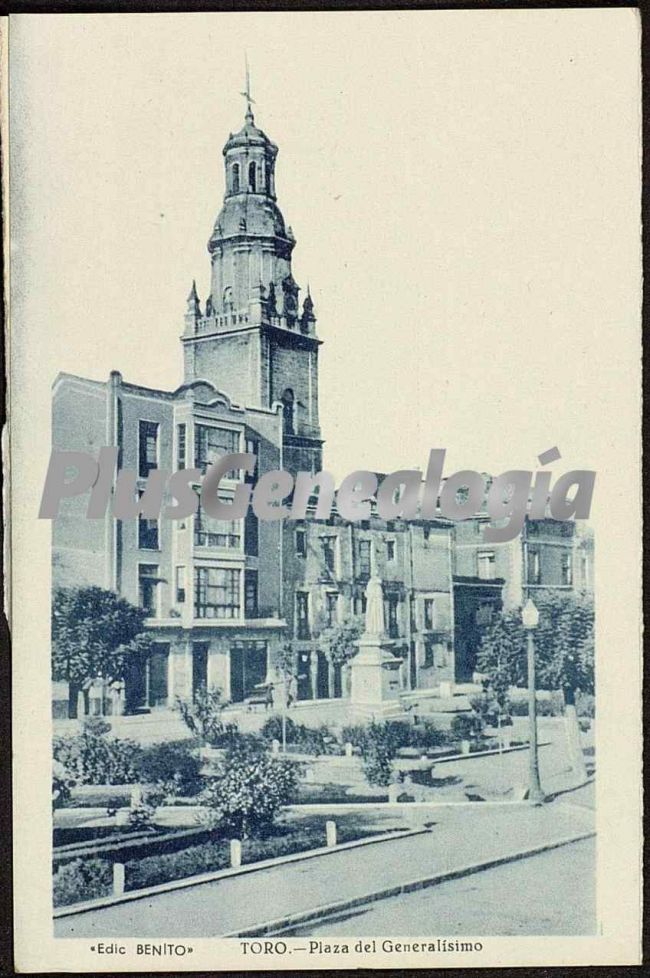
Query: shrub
{"x": 174, "y": 765}
{"x": 248, "y": 792}
{"x": 545, "y": 708}
{"x": 240, "y": 746}
{"x": 427, "y": 735}
{"x": 585, "y": 705}
{"x": 379, "y": 747}
{"x": 151, "y": 870}
{"x": 355, "y": 735}
{"x": 466, "y": 726}
{"x": 81, "y": 879}
{"x": 272, "y": 728}
{"x": 92, "y": 758}
{"x": 310, "y": 740}
{"x": 62, "y": 784}
{"x": 377, "y": 765}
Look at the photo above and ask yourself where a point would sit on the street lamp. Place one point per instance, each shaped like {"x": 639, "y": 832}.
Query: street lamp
{"x": 530, "y": 620}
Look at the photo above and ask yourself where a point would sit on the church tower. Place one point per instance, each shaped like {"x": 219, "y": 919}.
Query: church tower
{"x": 255, "y": 340}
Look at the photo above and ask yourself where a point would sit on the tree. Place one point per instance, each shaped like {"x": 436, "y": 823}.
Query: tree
{"x": 94, "y": 633}
{"x": 564, "y": 646}
{"x": 564, "y": 653}
{"x": 340, "y": 640}
{"x": 203, "y": 716}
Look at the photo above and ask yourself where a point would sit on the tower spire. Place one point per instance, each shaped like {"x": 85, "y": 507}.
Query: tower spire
{"x": 247, "y": 93}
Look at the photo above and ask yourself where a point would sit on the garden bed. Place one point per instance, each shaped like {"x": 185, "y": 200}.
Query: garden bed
{"x": 91, "y": 878}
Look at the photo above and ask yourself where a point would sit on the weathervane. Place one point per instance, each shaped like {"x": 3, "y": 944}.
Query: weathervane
{"x": 247, "y": 93}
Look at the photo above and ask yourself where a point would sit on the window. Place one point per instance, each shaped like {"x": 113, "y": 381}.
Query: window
{"x": 235, "y": 178}
{"x": 251, "y": 534}
{"x": 252, "y": 177}
{"x": 328, "y": 550}
{"x": 585, "y": 568}
{"x": 567, "y": 569}
{"x": 331, "y": 606}
{"x": 390, "y": 550}
{"x": 148, "y": 447}
{"x": 147, "y": 533}
{"x": 287, "y": 411}
{"x": 360, "y": 604}
{"x": 212, "y": 444}
{"x": 391, "y": 607}
{"x": 364, "y": 558}
{"x": 157, "y": 671}
{"x": 252, "y": 448}
{"x": 302, "y": 614}
{"x": 428, "y": 614}
{"x": 428, "y": 655}
{"x": 180, "y": 585}
{"x": 119, "y": 430}
{"x": 534, "y": 569}
{"x": 181, "y": 445}
{"x": 301, "y": 542}
{"x": 217, "y": 592}
{"x": 486, "y": 565}
{"x": 250, "y": 594}
{"x": 210, "y": 532}
{"x": 267, "y": 177}
{"x": 148, "y": 581}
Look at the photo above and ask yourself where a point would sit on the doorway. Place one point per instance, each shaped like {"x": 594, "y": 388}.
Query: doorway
{"x": 304, "y": 675}
{"x": 199, "y": 667}
{"x": 248, "y": 668}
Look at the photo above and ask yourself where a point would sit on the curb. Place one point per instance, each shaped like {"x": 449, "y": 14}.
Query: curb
{"x": 281, "y": 924}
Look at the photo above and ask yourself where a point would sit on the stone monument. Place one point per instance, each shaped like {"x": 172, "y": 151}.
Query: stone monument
{"x": 375, "y": 670}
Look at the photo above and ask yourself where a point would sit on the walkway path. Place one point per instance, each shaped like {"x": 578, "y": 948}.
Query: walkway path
{"x": 459, "y": 835}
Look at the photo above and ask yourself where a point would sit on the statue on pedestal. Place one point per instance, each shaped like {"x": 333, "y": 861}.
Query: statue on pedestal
{"x": 375, "y": 626}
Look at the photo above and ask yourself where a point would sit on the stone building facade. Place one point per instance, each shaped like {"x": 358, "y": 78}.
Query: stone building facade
{"x": 225, "y": 596}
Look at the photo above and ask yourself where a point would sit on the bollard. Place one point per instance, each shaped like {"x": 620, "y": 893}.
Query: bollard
{"x": 118, "y": 879}
{"x": 330, "y": 833}
{"x": 235, "y": 853}
{"x": 393, "y": 791}
{"x": 275, "y": 747}
{"x": 348, "y": 749}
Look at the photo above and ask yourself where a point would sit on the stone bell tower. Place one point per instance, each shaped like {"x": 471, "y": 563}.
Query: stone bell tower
{"x": 254, "y": 339}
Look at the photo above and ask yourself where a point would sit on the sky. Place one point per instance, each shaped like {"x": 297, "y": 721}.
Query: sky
{"x": 456, "y": 182}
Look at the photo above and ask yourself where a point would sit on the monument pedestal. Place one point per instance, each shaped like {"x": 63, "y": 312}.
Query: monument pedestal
{"x": 375, "y": 688}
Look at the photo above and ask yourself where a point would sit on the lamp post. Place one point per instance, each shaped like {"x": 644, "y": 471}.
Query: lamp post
{"x": 530, "y": 620}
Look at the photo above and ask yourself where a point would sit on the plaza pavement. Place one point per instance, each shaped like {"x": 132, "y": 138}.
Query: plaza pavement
{"x": 553, "y": 893}
{"x": 458, "y": 836}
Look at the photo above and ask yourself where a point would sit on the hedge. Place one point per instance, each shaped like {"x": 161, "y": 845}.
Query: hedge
{"x": 87, "y": 879}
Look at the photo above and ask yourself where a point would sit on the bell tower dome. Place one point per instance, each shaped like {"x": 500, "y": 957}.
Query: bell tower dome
{"x": 255, "y": 341}
{"x": 250, "y": 243}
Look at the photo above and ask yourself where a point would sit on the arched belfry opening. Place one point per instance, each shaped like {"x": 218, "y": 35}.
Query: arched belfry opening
{"x": 252, "y": 176}
{"x": 235, "y": 178}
